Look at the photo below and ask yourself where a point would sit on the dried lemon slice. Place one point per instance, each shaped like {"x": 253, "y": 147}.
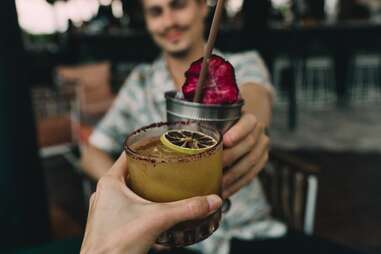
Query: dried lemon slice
{"x": 187, "y": 142}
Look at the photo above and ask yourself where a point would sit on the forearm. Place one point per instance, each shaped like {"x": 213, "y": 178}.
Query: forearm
{"x": 258, "y": 101}
{"x": 105, "y": 247}
{"x": 95, "y": 162}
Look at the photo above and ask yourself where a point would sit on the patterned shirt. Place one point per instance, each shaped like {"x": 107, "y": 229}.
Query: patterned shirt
{"x": 141, "y": 102}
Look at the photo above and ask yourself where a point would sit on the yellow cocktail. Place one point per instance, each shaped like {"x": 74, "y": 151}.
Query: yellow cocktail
{"x": 161, "y": 174}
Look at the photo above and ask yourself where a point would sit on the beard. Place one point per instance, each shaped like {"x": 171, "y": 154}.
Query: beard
{"x": 178, "y": 54}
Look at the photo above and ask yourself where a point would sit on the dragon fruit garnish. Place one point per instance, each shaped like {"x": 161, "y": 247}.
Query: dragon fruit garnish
{"x": 220, "y": 86}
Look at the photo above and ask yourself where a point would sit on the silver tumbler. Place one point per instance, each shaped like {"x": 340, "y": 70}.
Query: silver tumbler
{"x": 221, "y": 116}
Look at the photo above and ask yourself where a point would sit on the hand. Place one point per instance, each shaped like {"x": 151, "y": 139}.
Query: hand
{"x": 245, "y": 154}
{"x": 119, "y": 221}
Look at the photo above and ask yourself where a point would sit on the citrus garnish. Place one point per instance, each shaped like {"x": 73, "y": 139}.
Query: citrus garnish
{"x": 186, "y": 141}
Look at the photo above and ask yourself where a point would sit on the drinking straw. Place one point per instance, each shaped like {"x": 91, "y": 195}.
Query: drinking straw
{"x": 208, "y": 50}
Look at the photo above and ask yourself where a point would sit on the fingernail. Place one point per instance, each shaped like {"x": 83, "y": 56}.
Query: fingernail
{"x": 214, "y": 202}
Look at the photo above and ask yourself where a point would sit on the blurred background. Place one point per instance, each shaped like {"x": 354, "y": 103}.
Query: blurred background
{"x": 62, "y": 63}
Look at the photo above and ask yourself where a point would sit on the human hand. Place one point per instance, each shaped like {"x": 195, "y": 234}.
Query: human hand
{"x": 245, "y": 154}
{"x": 119, "y": 221}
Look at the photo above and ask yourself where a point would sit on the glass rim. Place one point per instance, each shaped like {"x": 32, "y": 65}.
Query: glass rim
{"x": 186, "y": 158}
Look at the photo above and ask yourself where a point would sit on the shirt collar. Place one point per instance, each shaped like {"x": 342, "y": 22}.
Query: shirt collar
{"x": 161, "y": 79}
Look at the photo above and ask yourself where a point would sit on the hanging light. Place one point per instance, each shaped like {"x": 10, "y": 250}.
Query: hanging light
{"x": 55, "y": 16}
{"x": 30, "y": 13}
{"x": 117, "y": 8}
{"x": 105, "y": 2}
{"x": 62, "y": 23}
{"x": 233, "y": 7}
{"x": 280, "y": 3}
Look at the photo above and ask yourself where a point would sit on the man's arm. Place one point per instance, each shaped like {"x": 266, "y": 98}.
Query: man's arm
{"x": 246, "y": 144}
{"x": 258, "y": 101}
{"x": 114, "y": 126}
{"x": 95, "y": 162}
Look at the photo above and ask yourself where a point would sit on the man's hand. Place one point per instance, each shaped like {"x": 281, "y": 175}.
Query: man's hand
{"x": 119, "y": 221}
{"x": 245, "y": 155}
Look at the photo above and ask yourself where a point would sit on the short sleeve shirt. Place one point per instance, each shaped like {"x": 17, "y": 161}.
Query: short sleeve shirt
{"x": 141, "y": 99}
{"x": 141, "y": 102}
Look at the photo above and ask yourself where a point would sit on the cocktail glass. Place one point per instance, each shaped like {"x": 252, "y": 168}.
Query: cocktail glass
{"x": 159, "y": 174}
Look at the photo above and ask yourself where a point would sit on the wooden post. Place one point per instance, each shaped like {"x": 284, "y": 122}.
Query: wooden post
{"x": 23, "y": 207}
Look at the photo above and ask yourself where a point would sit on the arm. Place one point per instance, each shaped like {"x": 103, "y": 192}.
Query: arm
{"x": 258, "y": 101}
{"x": 246, "y": 143}
{"x": 121, "y": 222}
{"x": 95, "y": 162}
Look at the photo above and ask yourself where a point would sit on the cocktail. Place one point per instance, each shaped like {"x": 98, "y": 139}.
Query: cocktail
{"x": 174, "y": 161}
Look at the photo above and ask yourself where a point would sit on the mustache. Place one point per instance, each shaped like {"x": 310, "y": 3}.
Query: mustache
{"x": 174, "y": 28}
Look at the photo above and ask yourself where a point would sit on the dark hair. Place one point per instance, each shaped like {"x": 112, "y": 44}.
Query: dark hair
{"x": 135, "y": 10}
{"x": 140, "y": 4}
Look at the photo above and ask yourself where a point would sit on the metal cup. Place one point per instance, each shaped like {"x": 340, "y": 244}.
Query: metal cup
{"x": 221, "y": 116}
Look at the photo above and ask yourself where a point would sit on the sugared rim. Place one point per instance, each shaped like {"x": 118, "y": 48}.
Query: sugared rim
{"x": 186, "y": 158}
{"x": 171, "y": 96}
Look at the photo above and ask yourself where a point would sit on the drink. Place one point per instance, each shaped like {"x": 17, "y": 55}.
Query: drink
{"x": 160, "y": 174}
{"x": 173, "y": 180}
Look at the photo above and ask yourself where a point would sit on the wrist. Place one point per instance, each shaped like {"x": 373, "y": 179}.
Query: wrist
{"x": 100, "y": 248}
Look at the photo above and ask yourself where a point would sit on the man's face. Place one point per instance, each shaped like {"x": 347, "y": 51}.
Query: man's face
{"x": 175, "y": 25}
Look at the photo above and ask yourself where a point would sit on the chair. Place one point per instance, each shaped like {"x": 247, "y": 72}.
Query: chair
{"x": 314, "y": 80}
{"x": 304, "y": 82}
{"x": 365, "y": 79}
{"x": 52, "y": 112}
{"x": 318, "y": 87}
{"x": 52, "y": 115}
{"x": 291, "y": 187}
{"x": 90, "y": 90}
{"x": 89, "y": 86}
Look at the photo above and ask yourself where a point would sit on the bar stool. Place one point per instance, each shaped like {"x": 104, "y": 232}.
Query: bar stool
{"x": 364, "y": 78}
{"x": 317, "y": 88}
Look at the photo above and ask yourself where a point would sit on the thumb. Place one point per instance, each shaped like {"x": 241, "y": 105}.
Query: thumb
{"x": 188, "y": 209}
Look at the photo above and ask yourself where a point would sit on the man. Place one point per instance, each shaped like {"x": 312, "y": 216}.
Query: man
{"x": 177, "y": 26}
